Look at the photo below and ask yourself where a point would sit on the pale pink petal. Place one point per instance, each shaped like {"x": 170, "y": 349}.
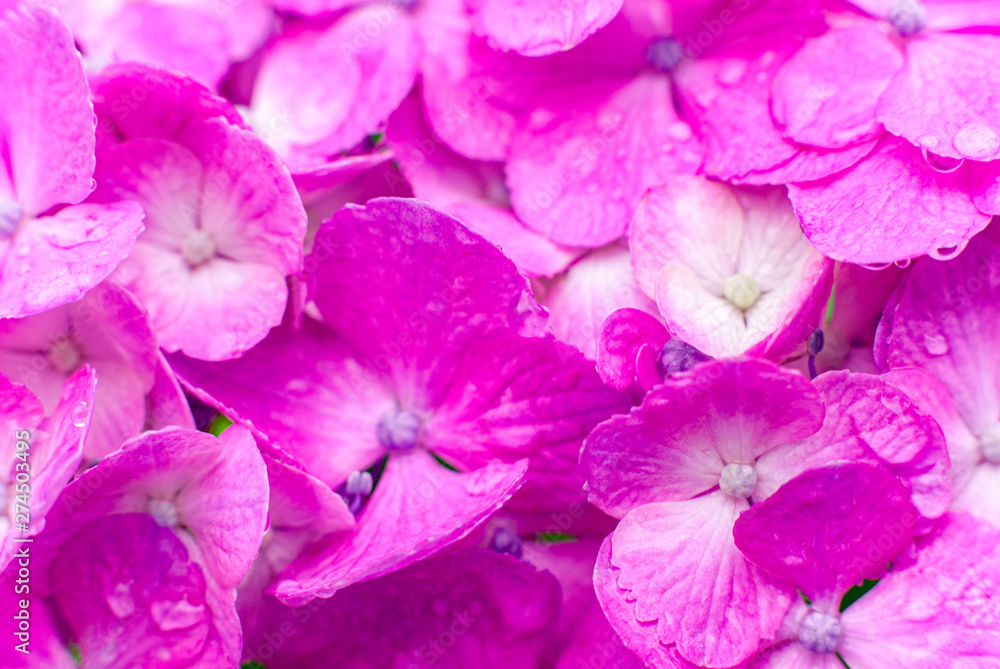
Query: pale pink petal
{"x": 943, "y": 100}
{"x": 593, "y": 288}
{"x": 986, "y": 186}
{"x": 891, "y": 206}
{"x": 540, "y": 28}
{"x": 680, "y": 564}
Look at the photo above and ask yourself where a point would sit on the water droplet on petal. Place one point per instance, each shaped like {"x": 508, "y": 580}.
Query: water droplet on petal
{"x": 903, "y": 264}
{"x": 80, "y": 414}
{"x": 935, "y": 344}
{"x": 942, "y": 164}
{"x": 948, "y": 252}
{"x": 977, "y": 141}
{"x": 731, "y": 72}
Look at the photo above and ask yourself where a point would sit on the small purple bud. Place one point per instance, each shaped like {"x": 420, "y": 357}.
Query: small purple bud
{"x": 506, "y": 542}
{"x": 665, "y": 53}
{"x": 814, "y": 344}
{"x": 678, "y": 356}
{"x": 399, "y": 430}
{"x": 819, "y": 632}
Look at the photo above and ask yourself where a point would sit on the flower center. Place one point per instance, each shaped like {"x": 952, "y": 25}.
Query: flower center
{"x": 741, "y": 291}
{"x": 908, "y": 17}
{"x": 64, "y": 356}
{"x": 665, "y": 53}
{"x": 819, "y": 632}
{"x": 10, "y": 215}
{"x": 989, "y": 442}
{"x": 399, "y": 429}
{"x": 198, "y": 248}
{"x": 164, "y": 512}
{"x": 738, "y": 480}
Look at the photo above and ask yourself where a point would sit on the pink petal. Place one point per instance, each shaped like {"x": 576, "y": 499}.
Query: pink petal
{"x": 680, "y": 564}
{"x": 417, "y": 509}
{"x": 593, "y": 288}
{"x": 160, "y": 35}
{"x": 891, "y": 206}
{"x": 540, "y": 28}
{"x": 372, "y": 75}
{"x": 623, "y": 333}
{"x": 825, "y": 95}
{"x": 74, "y": 250}
{"x": 674, "y": 446}
{"x": 47, "y": 116}
{"x": 935, "y": 609}
{"x": 132, "y": 595}
{"x": 942, "y": 101}
{"x": 579, "y": 166}
{"x": 828, "y": 529}
{"x": 986, "y": 186}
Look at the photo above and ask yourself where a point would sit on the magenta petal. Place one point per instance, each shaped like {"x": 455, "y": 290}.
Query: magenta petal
{"x": 302, "y": 393}
{"x": 132, "y": 595}
{"x": 45, "y": 648}
{"x": 680, "y": 564}
{"x": 623, "y": 333}
{"x": 540, "y": 27}
{"x": 74, "y": 250}
{"x": 418, "y": 508}
{"x": 825, "y": 95}
{"x": 579, "y": 166}
{"x": 986, "y": 186}
{"x": 415, "y": 277}
{"x": 890, "y": 206}
{"x": 829, "y": 528}
{"x": 47, "y": 120}
{"x": 944, "y": 100}
{"x": 674, "y": 446}
{"x": 457, "y": 611}
{"x": 933, "y": 610}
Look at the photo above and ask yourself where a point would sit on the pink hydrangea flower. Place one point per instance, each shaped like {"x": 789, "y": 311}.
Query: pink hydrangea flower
{"x": 429, "y": 347}
{"x": 50, "y": 254}
{"x": 224, "y": 224}
{"x": 682, "y": 467}
{"x": 729, "y": 267}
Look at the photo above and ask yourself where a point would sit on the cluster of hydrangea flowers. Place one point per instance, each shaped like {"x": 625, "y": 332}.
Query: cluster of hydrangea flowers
{"x": 562, "y": 334}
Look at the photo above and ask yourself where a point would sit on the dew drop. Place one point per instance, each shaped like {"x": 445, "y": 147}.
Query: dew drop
{"x": 81, "y": 414}
{"x": 935, "y": 344}
{"x": 903, "y": 264}
{"x": 947, "y": 252}
{"x": 942, "y": 164}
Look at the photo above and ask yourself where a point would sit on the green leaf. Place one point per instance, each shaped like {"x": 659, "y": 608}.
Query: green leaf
{"x": 855, "y": 593}
{"x": 253, "y": 664}
{"x": 829, "y": 308}
{"x": 554, "y": 538}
